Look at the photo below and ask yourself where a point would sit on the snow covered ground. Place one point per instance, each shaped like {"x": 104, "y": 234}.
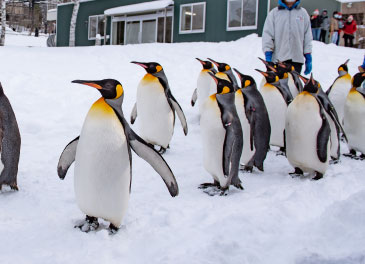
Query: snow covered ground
{"x": 276, "y": 219}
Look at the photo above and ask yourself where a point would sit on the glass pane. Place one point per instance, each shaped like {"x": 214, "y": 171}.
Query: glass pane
{"x": 168, "y": 30}
{"x": 101, "y": 25}
{"x": 148, "y": 31}
{"x": 92, "y": 26}
{"x": 186, "y": 18}
{"x": 132, "y": 36}
{"x": 249, "y": 13}
{"x": 120, "y": 33}
{"x": 160, "y": 29}
{"x": 234, "y": 13}
{"x": 198, "y": 16}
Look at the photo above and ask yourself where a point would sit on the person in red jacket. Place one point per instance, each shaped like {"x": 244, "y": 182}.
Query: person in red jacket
{"x": 349, "y": 30}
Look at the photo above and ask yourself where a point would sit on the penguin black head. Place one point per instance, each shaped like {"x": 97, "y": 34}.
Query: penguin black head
{"x": 343, "y": 69}
{"x": 310, "y": 85}
{"x": 246, "y": 80}
{"x": 286, "y": 66}
{"x": 150, "y": 67}
{"x": 109, "y": 88}
{"x": 283, "y": 69}
{"x": 223, "y": 86}
{"x": 221, "y": 66}
{"x": 269, "y": 64}
{"x": 207, "y": 65}
{"x": 358, "y": 79}
{"x": 270, "y": 76}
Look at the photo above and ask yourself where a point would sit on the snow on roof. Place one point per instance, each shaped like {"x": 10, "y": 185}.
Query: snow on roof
{"x": 350, "y": 1}
{"x": 141, "y": 7}
{"x": 71, "y": 3}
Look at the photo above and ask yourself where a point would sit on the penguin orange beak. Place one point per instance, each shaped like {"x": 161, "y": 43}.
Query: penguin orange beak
{"x": 89, "y": 83}
{"x": 143, "y": 65}
{"x": 262, "y": 72}
{"x": 305, "y": 80}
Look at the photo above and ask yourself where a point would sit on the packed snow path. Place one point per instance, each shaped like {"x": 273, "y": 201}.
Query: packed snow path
{"x": 276, "y": 219}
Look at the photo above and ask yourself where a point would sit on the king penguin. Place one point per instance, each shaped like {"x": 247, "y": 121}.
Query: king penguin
{"x": 354, "y": 116}
{"x": 276, "y": 100}
{"x": 255, "y": 124}
{"x": 205, "y": 85}
{"x": 156, "y": 107}
{"x": 103, "y": 160}
{"x": 294, "y": 83}
{"x": 222, "y": 139}
{"x": 225, "y": 69}
{"x": 339, "y": 90}
{"x": 307, "y": 133}
{"x": 9, "y": 144}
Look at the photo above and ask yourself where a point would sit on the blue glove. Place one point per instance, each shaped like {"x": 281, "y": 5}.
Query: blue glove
{"x": 363, "y": 64}
{"x": 308, "y": 63}
{"x": 268, "y": 56}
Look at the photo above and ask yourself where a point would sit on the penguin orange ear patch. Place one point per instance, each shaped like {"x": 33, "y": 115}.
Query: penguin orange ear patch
{"x": 158, "y": 68}
{"x": 247, "y": 83}
{"x": 227, "y": 67}
{"x": 119, "y": 90}
{"x": 225, "y": 90}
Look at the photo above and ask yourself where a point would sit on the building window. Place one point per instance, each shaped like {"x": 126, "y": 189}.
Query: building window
{"x": 242, "y": 14}
{"x": 96, "y": 26}
{"x": 192, "y": 18}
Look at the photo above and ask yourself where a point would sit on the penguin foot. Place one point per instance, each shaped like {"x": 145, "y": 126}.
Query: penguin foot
{"x": 238, "y": 186}
{"x": 208, "y": 185}
{"x": 212, "y": 191}
{"x": 351, "y": 154}
{"x": 334, "y": 161}
{"x": 113, "y": 229}
{"x": 318, "y": 176}
{"x": 14, "y": 187}
{"x": 260, "y": 167}
{"x": 162, "y": 150}
{"x": 245, "y": 168}
{"x": 281, "y": 152}
{"x": 362, "y": 157}
{"x": 224, "y": 192}
{"x": 298, "y": 172}
{"x": 89, "y": 224}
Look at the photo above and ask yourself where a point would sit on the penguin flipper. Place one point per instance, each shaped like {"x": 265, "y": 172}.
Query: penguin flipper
{"x": 134, "y": 113}
{"x": 179, "y": 112}
{"x": 67, "y": 158}
{"x": 194, "y": 97}
{"x": 229, "y": 141}
{"x": 323, "y": 137}
{"x": 143, "y": 150}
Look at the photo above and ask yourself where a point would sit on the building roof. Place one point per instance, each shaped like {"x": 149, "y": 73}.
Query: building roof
{"x": 350, "y": 1}
{"x": 141, "y": 7}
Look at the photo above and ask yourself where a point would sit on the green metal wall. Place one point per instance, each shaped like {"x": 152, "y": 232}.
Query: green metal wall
{"x": 86, "y": 9}
{"x": 216, "y": 22}
{"x": 311, "y": 5}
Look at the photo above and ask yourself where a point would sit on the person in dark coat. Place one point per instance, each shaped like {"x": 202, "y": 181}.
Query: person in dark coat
{"x": 325, "y": 26}
{"x": 316, "y": 24}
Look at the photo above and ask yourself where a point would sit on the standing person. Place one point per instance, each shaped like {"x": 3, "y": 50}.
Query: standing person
{"x": 287, "y": 35}
{"x": 334, "y": 28}
{"x": 349, "y": 31}
{"x": 325, "y": 25}
{"x": 316, "y": 24}
{"x": 341, "y": 26}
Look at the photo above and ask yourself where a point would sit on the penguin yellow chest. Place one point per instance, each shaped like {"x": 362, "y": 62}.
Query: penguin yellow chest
{"x": 276, "y": 108}
{"x": 155, "y": 116}
{"x": 102, "y": 165}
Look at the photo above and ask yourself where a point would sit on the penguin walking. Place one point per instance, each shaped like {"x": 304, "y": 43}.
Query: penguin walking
{"x": 156, "y": 107}
{"x": 9, "y": 144}
{"x": 103, "y": 160}
{"x": 225, "y": 69}
{"x": 222, "y": 139}
{"x": 276, "y": 99}
{"x": 354, "y": 117}
{"x": 307, "y": 133}
{"x": 205, "y": 84}
{"x": 339, "y": 90}
{"x": 333, "y": 120}
{"x": 255, "y": 124}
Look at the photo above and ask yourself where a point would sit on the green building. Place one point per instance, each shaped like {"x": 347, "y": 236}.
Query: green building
{"x": 119, "y": 22}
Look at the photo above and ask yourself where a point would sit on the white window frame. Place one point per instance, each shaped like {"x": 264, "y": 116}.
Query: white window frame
{"x": 228, "y": 28}
{"x": 191, "y": 22}
{"x": 97, "y": 26}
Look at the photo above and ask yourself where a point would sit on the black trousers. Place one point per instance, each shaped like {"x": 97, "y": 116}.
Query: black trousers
{"x": 349, "y": 40}
{"x": 323, "y": 36}
{"x": 297, "y": 66}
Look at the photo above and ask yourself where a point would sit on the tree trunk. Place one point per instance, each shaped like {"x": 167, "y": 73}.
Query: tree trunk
{"x": 3, "y": 22}
{"x": 73, "y": 23}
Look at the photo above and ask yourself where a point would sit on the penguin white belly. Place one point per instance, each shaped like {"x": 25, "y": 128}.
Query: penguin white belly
{"x": 205, "y": 87}
{"x": 303, "y": 122}
{"x": 338, "y": 95}
{"x": 333, "y": 137}
{"x": 354, "y": 121}
{"x": 276, "y": 107}
{"x": 102, "y": 165}
{"x": 292, "y": 87}
{"x": 156, "y": 118}
{"x": 213, "y": 135}
{"x": 1, "y": 164}
{"x": 247, "y": 153}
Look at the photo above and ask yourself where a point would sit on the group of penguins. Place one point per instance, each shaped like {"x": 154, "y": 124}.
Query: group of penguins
{"x": 238, "y": 124}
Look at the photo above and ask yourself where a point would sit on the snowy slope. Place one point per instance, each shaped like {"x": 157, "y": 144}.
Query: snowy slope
{"x": 276, "y": 219}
